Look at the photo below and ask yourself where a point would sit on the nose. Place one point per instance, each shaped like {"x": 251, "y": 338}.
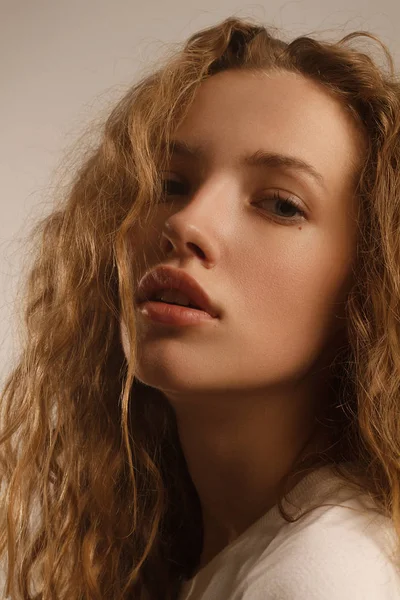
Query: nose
{"x": 193, "y": 226}
{"x": 184, "y": 240}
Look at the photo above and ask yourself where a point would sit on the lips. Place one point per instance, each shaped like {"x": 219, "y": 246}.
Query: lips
{"x": 170, "y": 278}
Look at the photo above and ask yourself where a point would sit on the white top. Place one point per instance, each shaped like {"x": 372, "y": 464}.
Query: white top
{"x": 332, "y": 553}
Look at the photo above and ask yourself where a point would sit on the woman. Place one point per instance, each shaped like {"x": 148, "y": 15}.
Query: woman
{"x": 257, "y": 181}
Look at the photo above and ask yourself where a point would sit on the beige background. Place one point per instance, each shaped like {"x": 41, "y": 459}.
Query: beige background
{"x": 64, "y": 62}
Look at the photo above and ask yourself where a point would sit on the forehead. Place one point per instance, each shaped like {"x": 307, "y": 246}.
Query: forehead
{"x": 236, "y": 111}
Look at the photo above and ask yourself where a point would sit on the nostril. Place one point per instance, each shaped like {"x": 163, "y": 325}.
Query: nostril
{"x": 197, "y": 249}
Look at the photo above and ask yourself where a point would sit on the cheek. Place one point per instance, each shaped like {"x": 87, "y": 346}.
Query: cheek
{"x": 293, "y": 302}
{"x": 307, "y": 277}
{"x": 144, "y": 248}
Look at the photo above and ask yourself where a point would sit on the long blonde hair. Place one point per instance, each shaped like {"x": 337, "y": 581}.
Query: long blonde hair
{"x": 96, "y": 450}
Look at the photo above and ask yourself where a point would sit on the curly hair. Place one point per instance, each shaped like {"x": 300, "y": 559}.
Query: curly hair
{"x": 95, "y": 452}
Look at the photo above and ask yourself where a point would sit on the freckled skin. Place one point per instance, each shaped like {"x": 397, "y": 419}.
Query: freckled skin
{"x": 245, "y": 388}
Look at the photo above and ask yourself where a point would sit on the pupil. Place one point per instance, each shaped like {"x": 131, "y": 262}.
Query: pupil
{"x": 288, "y": 207}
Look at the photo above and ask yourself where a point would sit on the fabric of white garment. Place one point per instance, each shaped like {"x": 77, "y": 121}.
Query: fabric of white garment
{"x": 332, "y": 553}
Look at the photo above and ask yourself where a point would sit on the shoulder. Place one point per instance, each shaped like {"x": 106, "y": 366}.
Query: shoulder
{"x": 334, "y": 553}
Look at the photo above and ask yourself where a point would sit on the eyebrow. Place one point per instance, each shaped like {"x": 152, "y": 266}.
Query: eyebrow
{"x": 260, "y": 158}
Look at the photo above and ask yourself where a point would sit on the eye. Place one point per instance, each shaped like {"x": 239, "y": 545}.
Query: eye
{"x": 172, "y": 187}
{"x": 287, "y": 204}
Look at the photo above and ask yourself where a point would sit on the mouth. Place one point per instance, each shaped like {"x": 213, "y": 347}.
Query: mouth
{"x": 174, "y": 288}
{"x": 192, "y": 306}
{"x": 168, "y": 313}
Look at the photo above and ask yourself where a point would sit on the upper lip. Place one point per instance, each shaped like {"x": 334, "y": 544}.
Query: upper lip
{"x": 167, "y": 278}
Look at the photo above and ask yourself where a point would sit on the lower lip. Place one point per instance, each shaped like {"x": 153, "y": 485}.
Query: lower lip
{"x": 171, "y": 314}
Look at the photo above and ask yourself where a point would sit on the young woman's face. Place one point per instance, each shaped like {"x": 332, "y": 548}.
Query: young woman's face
{"x": 278, "y": 272}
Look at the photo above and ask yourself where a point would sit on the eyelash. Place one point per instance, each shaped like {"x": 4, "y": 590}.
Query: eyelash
{"x": 290, "y": 202}
{"x": 274, "y": 196}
